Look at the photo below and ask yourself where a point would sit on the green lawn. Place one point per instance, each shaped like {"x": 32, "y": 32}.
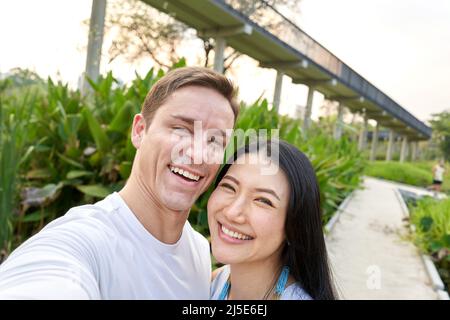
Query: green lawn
{"x": 413, "y": 173}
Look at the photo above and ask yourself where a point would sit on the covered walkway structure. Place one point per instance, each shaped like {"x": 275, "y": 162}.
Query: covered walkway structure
{"x": 276, "y": 42}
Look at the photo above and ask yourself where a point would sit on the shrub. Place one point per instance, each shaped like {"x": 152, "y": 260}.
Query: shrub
{"x": 69, "y": 150}
{"x": 432, "y": 221}
{"x": 406, "y": 173}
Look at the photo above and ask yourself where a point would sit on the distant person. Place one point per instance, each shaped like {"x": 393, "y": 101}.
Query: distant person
{"x": 438, "y": 175}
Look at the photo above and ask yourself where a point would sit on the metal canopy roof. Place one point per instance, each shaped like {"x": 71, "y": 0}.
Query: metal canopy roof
{"x": 299, "y": 56}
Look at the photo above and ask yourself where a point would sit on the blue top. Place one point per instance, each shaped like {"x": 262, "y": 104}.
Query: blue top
{"x": 292, "y": 292}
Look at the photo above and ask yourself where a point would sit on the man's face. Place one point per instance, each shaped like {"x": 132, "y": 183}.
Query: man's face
{"x": 173, "y": 166}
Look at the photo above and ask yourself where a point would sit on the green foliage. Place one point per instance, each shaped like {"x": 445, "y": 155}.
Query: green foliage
{"x": 413, "y": 173}
{"x": 441, "y": 132}
{"x": 60, "y": 149}
{"x": 432, "y": 220}
{"x": 407, "y": 173}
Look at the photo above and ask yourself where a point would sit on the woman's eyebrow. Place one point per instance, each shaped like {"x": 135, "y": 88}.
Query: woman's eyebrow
{"x": 231, "y": 178}
{"x": 268, "y": 191}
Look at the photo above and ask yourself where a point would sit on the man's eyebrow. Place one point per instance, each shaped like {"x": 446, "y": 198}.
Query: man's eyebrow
{"x": 184, "y": 118}
{"x": 191, "y": 121}
{"x": 268, "y": 191}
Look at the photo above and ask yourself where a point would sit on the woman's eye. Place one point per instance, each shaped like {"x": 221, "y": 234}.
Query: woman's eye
{"x": 265, "y": 201}
{"x": 227, "y": 186}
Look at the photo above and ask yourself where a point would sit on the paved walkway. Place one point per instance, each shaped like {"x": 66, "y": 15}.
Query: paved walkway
{"x": 370, "y": 256}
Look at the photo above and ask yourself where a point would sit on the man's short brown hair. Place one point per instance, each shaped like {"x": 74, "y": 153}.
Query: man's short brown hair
{"x": 188, "y": 76}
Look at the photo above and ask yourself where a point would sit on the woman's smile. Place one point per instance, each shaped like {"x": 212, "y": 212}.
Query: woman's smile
{"x": 232, "y": 237}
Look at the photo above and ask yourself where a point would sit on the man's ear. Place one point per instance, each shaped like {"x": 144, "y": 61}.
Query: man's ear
{"x": 138, "y": 130}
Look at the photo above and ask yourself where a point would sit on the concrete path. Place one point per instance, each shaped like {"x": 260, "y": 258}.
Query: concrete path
{"x": 370, "y": 255}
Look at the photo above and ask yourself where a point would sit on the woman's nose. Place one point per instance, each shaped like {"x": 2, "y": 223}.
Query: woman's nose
{"x": 235, "y": 211}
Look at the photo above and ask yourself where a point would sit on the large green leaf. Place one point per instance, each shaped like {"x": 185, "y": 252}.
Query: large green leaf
{"x": 96, "y": 190}
{"x": 35, "y": 197}
{"x": 101, "y": 139}
{"x": 122, "y": 120}
{"x": 74, "y": 174}
{"x": 35, "y": 216}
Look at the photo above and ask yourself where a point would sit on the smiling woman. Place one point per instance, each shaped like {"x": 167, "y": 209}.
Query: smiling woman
{"x": 267, "y": 227}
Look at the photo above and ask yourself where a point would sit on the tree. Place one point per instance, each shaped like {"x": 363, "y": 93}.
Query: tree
{"x": 142, "y": 31}
{"x": 441, "y": 132}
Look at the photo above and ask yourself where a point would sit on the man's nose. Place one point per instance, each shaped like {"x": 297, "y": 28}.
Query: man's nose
{"x": 196, "y": 151}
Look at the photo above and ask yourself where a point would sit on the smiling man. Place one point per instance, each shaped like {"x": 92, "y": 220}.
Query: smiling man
{"x": 138, "y": 244}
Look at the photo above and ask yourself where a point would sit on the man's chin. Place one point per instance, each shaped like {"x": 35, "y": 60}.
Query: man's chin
{"x": 181, "y": 206}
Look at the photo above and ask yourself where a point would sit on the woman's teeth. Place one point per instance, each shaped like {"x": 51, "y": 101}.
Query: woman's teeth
{"x": 235, "y": 235}
{"x": 184, "y": 173}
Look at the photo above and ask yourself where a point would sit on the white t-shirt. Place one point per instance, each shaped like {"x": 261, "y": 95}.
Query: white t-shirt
{"x": 102, "y": 251}
{"x": 292, "y": 292}
{"x": 439, "y": 173}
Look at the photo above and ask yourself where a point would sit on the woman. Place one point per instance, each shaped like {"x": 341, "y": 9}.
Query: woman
{"x": 438, "y": 175}
{"x": 266, "y": 227}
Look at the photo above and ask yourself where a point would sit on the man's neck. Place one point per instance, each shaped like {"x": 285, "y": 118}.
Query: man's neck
{"x": 163, "y": 224}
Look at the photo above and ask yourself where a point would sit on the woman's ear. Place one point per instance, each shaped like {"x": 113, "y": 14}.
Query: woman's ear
{"x": 138, "y": 130}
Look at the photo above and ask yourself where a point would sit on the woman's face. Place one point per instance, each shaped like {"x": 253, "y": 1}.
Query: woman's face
{"x": 247, "y": 213}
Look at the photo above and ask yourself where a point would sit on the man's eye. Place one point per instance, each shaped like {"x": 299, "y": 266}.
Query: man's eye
{"x": 215, "y": 140}
{"x": 180, "y": 130}
{"x": 226, "y": 186}
{"x": 265, "y": 201}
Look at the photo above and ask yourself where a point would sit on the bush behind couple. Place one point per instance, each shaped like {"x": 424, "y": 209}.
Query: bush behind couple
{"x": 266, "y": 229}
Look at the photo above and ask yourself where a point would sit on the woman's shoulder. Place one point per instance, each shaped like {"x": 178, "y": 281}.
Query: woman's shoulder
{"x": 295, "y": 292}
{"x": 218, "y": 279}
{"x": 219, "y": 270}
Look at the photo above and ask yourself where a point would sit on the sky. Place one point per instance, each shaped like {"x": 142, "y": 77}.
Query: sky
{"x": 401, "y": 46}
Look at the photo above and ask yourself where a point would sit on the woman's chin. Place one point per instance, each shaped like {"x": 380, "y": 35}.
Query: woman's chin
{"x": 225, "y": 257}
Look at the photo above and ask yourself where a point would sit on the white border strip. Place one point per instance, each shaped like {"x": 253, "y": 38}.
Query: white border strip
{"x": 433, "y": 274}
{"x": 329, "y": 226}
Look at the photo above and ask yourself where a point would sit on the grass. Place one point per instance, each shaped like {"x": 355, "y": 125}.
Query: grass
{"x": 432, "y": 220}
{"x": 412, "y": 173}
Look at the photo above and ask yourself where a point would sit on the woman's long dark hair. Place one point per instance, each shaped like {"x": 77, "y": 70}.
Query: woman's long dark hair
{"x": 304, "y": 251}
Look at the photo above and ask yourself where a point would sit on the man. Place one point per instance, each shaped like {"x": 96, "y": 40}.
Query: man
{"x": 137, "y": 244}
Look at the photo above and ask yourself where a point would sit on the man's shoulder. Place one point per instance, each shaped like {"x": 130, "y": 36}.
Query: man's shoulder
{"x": 100, "y": 211}
{"x": 196, "y": 236}
{"x": 88, "y": 223}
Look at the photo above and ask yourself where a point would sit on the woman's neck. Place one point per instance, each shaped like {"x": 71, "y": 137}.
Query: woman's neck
{"x": 252, "y": 281}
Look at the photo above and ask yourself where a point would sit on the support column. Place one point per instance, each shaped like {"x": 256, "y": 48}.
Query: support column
{"x": 417, "y": 155}
{"x": 338, "y": 125}
{"x": 218, "y": 54}
{"x": 277, "y": 91}
{"x": 373, "y": 149}
{"x": 390, "y": 145}
{"x": 414, "y": 150}
{"x": 363, "y": 135}
{"x": 94, "y": 49}
{"x": 403, "y": 150}
{"x": 308, "y": 109}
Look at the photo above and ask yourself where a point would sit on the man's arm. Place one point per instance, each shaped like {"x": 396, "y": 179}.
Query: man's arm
{"x": 57, "y": 263}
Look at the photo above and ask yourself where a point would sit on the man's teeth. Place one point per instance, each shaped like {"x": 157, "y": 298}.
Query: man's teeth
{"x": 235, "y": 235}
{"x": 185, "y": 173}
